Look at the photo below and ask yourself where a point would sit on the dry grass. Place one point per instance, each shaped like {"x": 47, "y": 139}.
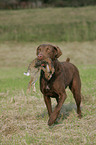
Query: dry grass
{"x": 20, "y": 54}
{"x": 24, "y": 121}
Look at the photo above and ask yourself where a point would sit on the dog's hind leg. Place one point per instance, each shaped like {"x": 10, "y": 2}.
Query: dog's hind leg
{"x": 76, "y": 90}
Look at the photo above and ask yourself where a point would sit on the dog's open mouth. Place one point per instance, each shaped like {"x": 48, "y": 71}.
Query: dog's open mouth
{"x": 48, "y": 68}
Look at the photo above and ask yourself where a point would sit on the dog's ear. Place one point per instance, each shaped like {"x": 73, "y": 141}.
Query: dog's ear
{"x": 58, "y": 52}
{"x": 37, "y": 50}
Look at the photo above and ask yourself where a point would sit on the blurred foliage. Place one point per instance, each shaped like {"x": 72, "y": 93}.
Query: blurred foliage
{"x": 49, "y": 24}
{"x": 64, "y": 3}
{"x": 14, "y": 4}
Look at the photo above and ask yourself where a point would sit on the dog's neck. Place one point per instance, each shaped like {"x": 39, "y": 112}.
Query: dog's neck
{"x": 57, "y": 65}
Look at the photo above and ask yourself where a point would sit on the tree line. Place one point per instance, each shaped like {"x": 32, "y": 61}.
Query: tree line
{"x": 69, "y": 3}
{"x": 16, "y": 4}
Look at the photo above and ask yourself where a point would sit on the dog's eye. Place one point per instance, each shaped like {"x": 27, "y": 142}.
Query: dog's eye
{"x": 39, "y": 49}
{"x": 47, "y": 49}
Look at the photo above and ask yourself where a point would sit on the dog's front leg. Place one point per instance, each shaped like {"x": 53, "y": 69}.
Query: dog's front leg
{"x": 48, "y": 104}
{"x": 56, "y": 111}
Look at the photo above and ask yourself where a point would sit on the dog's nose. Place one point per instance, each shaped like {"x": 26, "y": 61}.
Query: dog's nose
{"x": 40, "y": 56}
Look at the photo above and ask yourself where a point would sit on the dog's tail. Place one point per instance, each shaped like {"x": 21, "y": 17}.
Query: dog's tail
{"x": 68, "y": 59}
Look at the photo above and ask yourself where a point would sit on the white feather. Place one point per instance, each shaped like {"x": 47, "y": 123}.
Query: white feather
{"x": 27, "y": 74}
{"x": 48, "y": 70}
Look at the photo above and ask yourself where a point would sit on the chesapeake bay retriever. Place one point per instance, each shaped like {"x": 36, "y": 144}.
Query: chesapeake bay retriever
{"x": 65, "y": 74}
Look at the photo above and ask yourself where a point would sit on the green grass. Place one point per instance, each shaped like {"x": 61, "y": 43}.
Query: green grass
{"x": 23, "y": 118}
{"x": 50, "y": 24}
{"x": 13, "y": 79}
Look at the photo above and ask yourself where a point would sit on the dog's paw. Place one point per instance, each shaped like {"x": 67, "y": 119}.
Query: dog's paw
{"x": 52, "y": 119}
{"x": 50, "y": 122}
{"x": 80, "y": 116}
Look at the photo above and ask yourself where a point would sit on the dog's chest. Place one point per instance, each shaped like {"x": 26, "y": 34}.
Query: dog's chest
{"x": 47, "y": 88}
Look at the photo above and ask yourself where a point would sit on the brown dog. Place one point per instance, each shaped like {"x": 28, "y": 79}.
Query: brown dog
{"x": 66, "y": 74}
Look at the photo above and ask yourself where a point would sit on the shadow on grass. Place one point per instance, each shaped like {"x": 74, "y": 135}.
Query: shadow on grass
{"x": 64, "y": 113}
{"x": 66, "y": 109}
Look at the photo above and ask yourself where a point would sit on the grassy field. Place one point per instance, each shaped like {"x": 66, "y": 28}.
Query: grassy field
{"x": 48, "y": 24}
{"x": 23, "y": 118}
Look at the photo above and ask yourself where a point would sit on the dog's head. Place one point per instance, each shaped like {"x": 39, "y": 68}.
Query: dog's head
{"x": 48, "y": 51}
